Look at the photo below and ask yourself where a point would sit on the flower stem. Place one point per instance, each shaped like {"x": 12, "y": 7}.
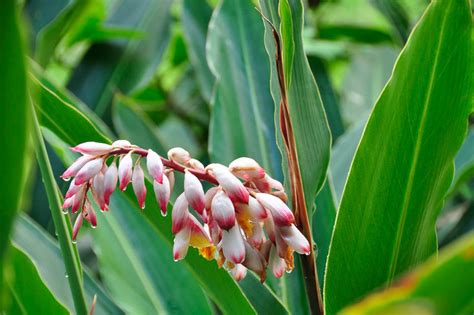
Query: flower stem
{"x": 68, "y": 250}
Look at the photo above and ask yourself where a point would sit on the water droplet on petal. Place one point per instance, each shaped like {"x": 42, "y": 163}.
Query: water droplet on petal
{"x": 66, "y": 275}
{"x": 93, "y": 226}
{"x": 65, "y": 211}
{"x": 74, "y": 241}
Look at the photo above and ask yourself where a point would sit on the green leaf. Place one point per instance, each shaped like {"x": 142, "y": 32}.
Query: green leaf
{"x": 464, "y": 162}
{"x": 243, "y": 108}
{"x": 14, "y": 124}
{"x": 217, "y": 283}
{"x": 440, "y": 286}
{"x": 124, "y": 66}
{"x": 28, "y": 285}
{"x": 404, "y": 163}
{"x": 44, "y": 252}
{"x": 195, "y": 18}
{"x": 355, "y": 20}
{"x": 310, "y": 127}
{"x": 62, "y": 118}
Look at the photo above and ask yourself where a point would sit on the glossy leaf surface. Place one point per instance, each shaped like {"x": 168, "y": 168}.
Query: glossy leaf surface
{"x": 404, "y": 164}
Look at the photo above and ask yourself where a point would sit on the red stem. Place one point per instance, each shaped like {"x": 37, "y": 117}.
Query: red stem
{"x": 202, "y": 175}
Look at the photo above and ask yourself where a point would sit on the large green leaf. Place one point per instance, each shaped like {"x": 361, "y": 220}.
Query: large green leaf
{"x": 440, "y": 286}
{"x": 44, "y": 252}
{"x": 14, "y": 124}
{"x": 242, "y": 116}
{"x": 404, "y": 162}
{"x": 27, "y": 285}
{"x": 195, "y": 19}
{"x": 122, "y": 65}
{"x": 217, "y": 283}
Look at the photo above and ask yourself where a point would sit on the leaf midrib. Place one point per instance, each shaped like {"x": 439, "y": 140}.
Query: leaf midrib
{"x": 413, "y": 167}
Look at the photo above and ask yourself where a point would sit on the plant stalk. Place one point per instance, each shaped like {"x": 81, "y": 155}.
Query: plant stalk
{"x": 68, "y": 250}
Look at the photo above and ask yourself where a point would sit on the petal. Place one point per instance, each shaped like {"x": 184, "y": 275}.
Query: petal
{"x": 121, "y": 144}
{"x": 180, "y": 213}
{"x": 199, "y": 236}
{"x": 276, "y": 263}
{"x": 110, "y": 181}
{"x": 295, "y": 239}
{"x": 256, "y": 210}
{"x": 89, "y": 170}
{"x": 194, "y": 191}
{"x": 258, "y": 237}
{"x": 233, "y": 245}
{"x": 246, "y": 168}
{"x": 77, "y": 226}
{"x": 195, "y": 164}
{"x": 270, "y": 228}
{"x": 231, "y": 184}
{"x": 78, "y": 199}
{"x": 162, "y": 194}
{"x": 254, "y": 260}
{"x": 170, "y": 174}
{"x": 68, "y": 202}
{"x": 274, "y": 184}
{"x": 89, "y": 214}
{"x": 179, "y": 155}
{"x": 208, "y": 196}
{"x": 138, "y": 183}
{"x": 93, "y": 148}
{"x": 125, "y": 170}
{"x": 73, "y": 189}
{"x": 98, "y": 190}
{"x": 154, "y": 166}
{"x": 181, "y": 244}
{"x": 238, "y": 272}
{"x": 281, "y": 214}
{"x": 223, "y": 210}
{"x": 76, "y": 166}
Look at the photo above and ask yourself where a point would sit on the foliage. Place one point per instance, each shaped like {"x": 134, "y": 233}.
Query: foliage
{"x": 361, "y": 108}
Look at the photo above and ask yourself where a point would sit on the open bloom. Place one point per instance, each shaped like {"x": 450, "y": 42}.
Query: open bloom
{"x": 242, "y": 222}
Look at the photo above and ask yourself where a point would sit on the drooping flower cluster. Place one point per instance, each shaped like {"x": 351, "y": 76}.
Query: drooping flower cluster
{"x": 242, "y": 222}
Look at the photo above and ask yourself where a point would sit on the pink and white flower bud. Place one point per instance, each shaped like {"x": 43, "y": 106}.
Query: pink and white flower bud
{"x": 231, "y": 184}
{"x": 270, "y": 227}
{"x": 281, "y": 245}
{"x": 89, "y": 170}
{"x": 276, "y": 263}
{"x": 194, "y": 191}
{"x": 73, "y": 189}
{"x": 77, "y": 226}
{"x": 68, "y": 202}
{"x": 246, "y": 168}
{"x": 76, "y": 166}
{"x": 138, "y": 183}
{"x": 154, "y": 166}
{"x": 295, "y": 239}
{"x": 179, "y": 155}
{"x": 256, "y": 210}
{"x": 125, "y": 171}
{"x": 199, "y": 235}
{"x": 274, "y": 184}
{"x": 98, "y": 190}
{"x": 78, "y": 199}
{"x": 233, "y": 245}
{"x": 282, "y": 215}
{"x": 110, "y": 181}
{"x": 89, "y": 214}
{"x": 223, "y": 210}
{"x": 121, "y": 144}
{"x": 195, "y": 164}
{"x": 238, "y": 272}
{"x": 254, "y": 260}
{"x": 93, "y": 148}
{"x": 180, "y": 213}
{"x": 258, "y": 237}
{"x": 162, "y": 193}
{"x": 170, "y": 174}
{"x": 208, "y": 196}
{"x": 181, "y": 244}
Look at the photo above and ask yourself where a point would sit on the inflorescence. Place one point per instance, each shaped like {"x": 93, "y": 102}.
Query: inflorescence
{"x": 243, "y": 221}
